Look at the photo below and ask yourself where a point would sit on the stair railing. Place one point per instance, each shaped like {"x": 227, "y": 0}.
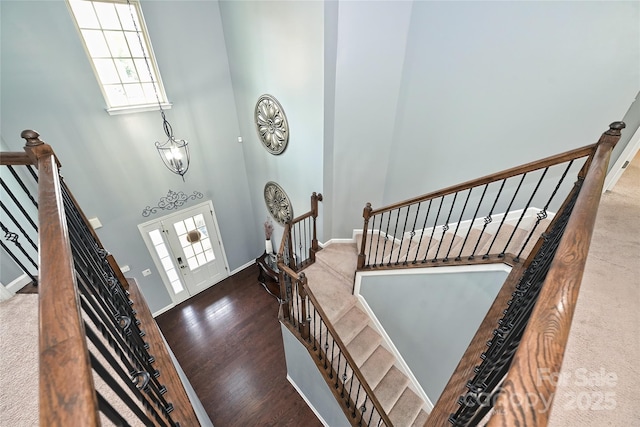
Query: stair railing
{"x": 438, "y": 227}
{"x": 516, "y": 375}
{"x": 300, "y": 238}
{"x": 96, "y": 359}
{"x": 303, "y": 316}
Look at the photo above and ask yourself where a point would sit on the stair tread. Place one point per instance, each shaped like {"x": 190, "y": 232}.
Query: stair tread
{"x": 377, "y": 366}
{"x": 341, "y": 258}
{"x": 351, "y": 323}
{"x": 406, "y": 409}
{"x": 389, "y": 390}
{"x": 421, "y": 419}
{"x": 363, "y": 345}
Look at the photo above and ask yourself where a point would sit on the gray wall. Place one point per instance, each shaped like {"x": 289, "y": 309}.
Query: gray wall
{"x": 433, "y": 327}
{"x": 110, "y": 162}
{"x": 275, "y": 48}
{"x": 451, "y": 91}
{"x": 304, "y": 373}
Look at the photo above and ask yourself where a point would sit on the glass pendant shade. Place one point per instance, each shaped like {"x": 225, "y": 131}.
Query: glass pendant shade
{"x": 175, "y": 155}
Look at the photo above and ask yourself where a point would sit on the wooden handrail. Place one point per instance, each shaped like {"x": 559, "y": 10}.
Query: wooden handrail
{"x": 67, "y": 390}
{"x": 538, "y": 360}
{"x": 352, "y": 364}
{"x": 15, "y": 159}
{"x": 508, "y": 173}
{"x": 67, "y": 396}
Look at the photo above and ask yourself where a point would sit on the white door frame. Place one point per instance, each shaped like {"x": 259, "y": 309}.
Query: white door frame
{"x": 152, "y": 251}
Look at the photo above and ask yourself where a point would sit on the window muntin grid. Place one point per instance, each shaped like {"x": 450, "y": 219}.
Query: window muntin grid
{"x": 200, "y": 252}
{"x": 118, "y": 59}
{"x": 166, "y": 260}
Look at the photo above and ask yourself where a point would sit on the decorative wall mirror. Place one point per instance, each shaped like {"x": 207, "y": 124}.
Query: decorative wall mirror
{"x": 271, "y": 124}
{"x": 278, "y": 203}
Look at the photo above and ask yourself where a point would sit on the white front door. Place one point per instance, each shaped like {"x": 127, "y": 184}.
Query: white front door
{"x": 187, "y": 250}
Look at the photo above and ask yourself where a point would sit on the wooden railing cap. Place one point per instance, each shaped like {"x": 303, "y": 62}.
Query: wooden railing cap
{"x": 32, "y": 137}
{"x": 615, "y": 128}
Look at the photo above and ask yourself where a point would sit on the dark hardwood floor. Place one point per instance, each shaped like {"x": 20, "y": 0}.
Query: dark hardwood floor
{"x": 229, "y": 343}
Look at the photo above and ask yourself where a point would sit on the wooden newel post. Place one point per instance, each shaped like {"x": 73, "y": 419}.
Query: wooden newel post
{"x": 315, "y": 198}
{"x": 304, "y": 315}
{"x": 290, "y": 249}
{"x": 366, "y": 214}
{"x": 284, "y": 301}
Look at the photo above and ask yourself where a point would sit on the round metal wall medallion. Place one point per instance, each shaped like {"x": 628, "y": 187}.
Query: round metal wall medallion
{"x": 278, "y": 203}
{"x": 271, "y": 124}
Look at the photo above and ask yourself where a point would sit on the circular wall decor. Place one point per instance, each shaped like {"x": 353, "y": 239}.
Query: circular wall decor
{"x": 278, "y": 203}
{"x": 271, "y": 124}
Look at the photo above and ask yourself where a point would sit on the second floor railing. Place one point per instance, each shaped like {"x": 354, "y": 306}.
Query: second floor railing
{"x": 483, "y": 220}
{"x": 102, "y": 356}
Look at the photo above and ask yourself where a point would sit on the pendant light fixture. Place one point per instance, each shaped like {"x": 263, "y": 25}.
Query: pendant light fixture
{"x": 173, "y": 152}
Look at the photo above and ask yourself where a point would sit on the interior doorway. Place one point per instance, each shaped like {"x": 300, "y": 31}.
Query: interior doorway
{"x": 187, "y": 250}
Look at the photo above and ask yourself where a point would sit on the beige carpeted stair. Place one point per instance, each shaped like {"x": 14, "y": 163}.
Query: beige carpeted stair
{"x": 331, "y": 281}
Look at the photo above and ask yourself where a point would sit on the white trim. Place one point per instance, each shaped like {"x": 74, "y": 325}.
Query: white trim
{"x": 158, "y": 264}
{"x": 335, "y": 241}
{"x": 324, "y": 423}
{"x": 414, "y": 385}
{"x": 163, "y": 310}
{"x": 387, "y": 342}
{"x": 19, "y": 283}
{"x": 129, "y": 109}
{"x": 627, "y": 154}
{"x": 242, "y": 267}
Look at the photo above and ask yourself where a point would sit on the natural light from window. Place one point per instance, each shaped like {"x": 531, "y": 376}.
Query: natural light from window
{"x": 108, "y": 29}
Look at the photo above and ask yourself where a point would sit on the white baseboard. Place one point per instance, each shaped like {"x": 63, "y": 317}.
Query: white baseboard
{"x": 242, "y": 267}
{"x": 332, "y": 241}
{"x": 324, "y": 423}
{"x": 19, "y": 283}
{"x": 162, "y": 310}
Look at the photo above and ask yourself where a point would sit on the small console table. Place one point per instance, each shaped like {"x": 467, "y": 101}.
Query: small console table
{"x": 269, "y": 274}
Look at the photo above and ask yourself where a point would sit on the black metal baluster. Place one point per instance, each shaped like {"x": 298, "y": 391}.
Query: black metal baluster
{"x": 333, "y": 350}
{"x": 433, "y": 229}
{"x": 524, "y": 211}
{"x": 18, "y": 205}
{"x": 108, "y": 410}
{"x": 22, "y": 185}
{"x": 424, "y": 225}
{"x": 504, "y": 217}
{"x": 355, "y": 402}
{"x": 115, "y": 386}
{"x": 488, "y": 218}
{"x": 445, "y": 227}
{"x": 404, "y": 229}
{"x": 412, "y": 234}
{"x": 371, "y": 240}
{"x": 18, "y": 225}
{"x": 393, "y": 241}
{"x": 455, "y": 233}
{"x": 543, "y": 213}
{"x": 386, "y": 238}
{"x": 473, "y": 220}
{"x": 375, "y": 259}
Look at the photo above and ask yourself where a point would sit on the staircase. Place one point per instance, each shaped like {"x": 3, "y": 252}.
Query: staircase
{"x": 331, "y": 280}
{"x": 455, "y": 226}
